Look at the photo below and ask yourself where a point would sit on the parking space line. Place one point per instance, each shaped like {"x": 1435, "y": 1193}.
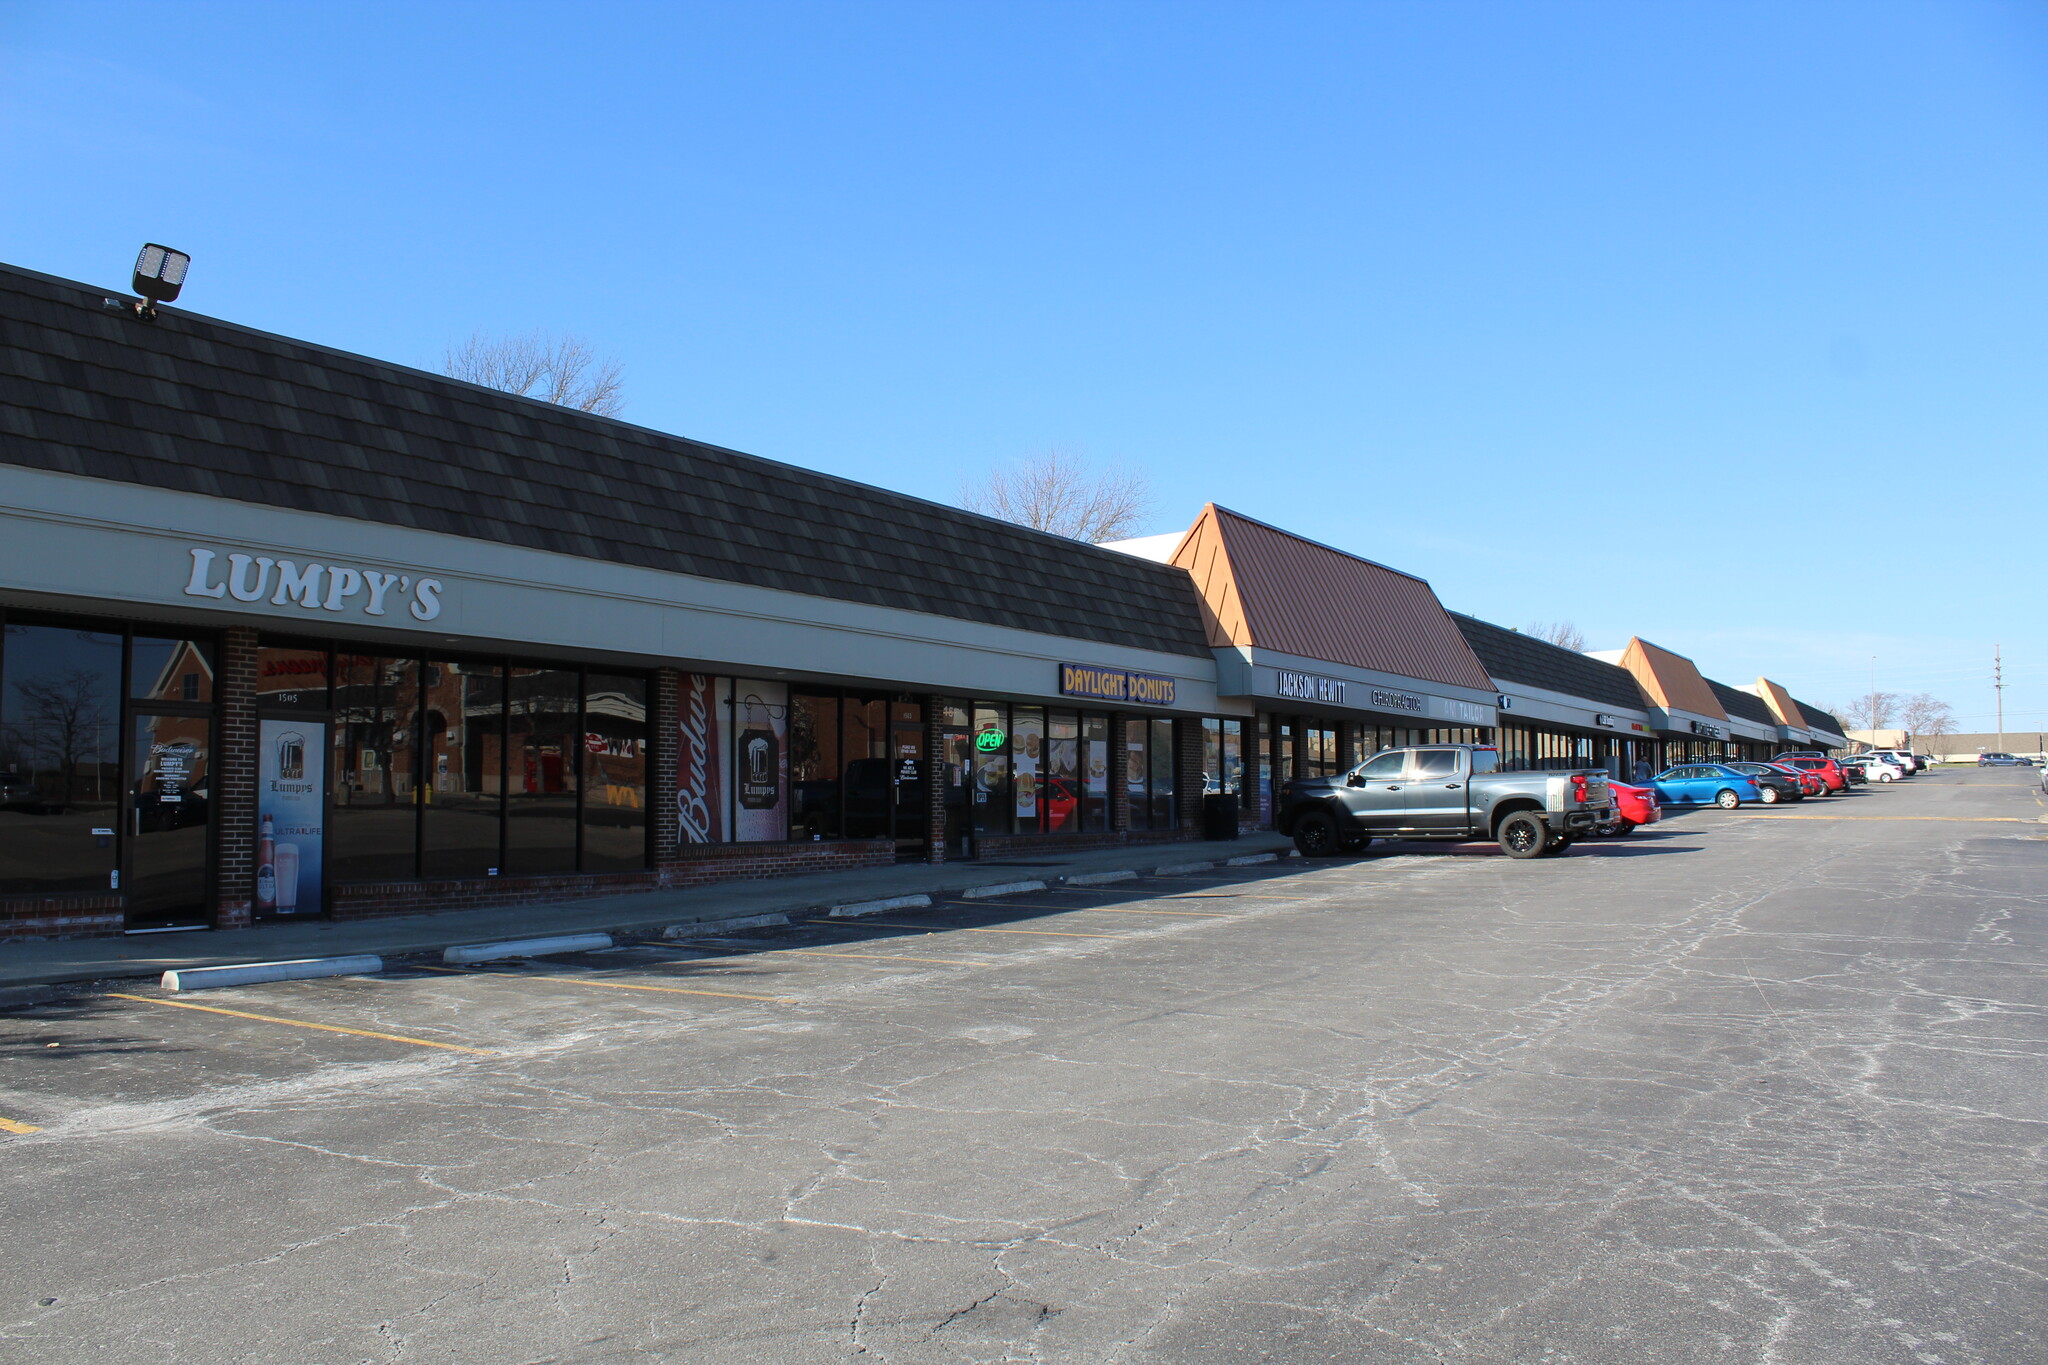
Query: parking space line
{"x": 1092, "y": 910}
{"x": 1961, "y": 819}
{"x": 888, "y": 957}
{"x": 303, "y": 1023}
{"x": 18, "y": 1129}
{"x": 960, "y": 929}
{"x": 615, "y": 985}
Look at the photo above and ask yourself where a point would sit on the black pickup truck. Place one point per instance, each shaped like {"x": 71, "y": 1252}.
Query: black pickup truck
{"x": 1444, "y": 791}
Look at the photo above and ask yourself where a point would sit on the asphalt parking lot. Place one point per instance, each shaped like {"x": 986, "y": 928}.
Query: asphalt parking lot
{"x": 1765, "y": 1086}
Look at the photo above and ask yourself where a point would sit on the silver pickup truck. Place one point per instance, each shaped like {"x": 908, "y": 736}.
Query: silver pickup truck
{"x": 1443, "y": 791}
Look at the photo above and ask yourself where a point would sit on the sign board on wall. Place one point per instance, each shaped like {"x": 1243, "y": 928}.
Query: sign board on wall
{"x": 344, "y": 589}
{"x": 700, "y": 805}
{"x": 291, "y": 810}
{"x": 1310, "y": 687}
{"x": 759, "y": 760}
{"x": 1116, "y": 684}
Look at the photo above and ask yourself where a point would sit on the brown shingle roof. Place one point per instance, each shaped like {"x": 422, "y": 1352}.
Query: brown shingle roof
{"x": 1271, "y": 589}
{"x": 1670, "y": 680}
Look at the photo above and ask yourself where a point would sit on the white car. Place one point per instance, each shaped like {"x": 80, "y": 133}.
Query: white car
{"x": 1883, "y": 768}
{"x": 1903, "y": 760}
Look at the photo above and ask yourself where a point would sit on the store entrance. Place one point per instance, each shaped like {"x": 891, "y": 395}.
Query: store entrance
{"x": 912, "y": 822}
{"x": 170, "y": 789}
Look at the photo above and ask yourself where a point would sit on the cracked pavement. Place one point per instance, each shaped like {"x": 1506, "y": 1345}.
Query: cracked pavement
{"x": 1747, "y": 1087}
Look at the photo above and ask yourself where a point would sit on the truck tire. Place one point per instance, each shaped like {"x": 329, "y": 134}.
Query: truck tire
{"x": 1523, "y": 835}
{"x": 1727, "y": 799}
{"x": 1315, "y": 834}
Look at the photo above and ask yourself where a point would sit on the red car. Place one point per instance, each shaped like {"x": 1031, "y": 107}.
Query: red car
{"x": 1810, "y": 783}
{"x": 1826, "y": 769}
{"x": 1632, "y": 806}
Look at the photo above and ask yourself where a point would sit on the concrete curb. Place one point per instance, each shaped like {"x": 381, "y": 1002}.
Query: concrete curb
{"x": 1171, "y": 869}
{"x": 859, "y": 908}
{"x": 697, "y": 927}
{"x": 1248, "y": 859}
{"x": 527, "y": 947}
{"x": 1102, "y": 878}
{"x": 255, "y": 973}
{"x": 975, "y": 893}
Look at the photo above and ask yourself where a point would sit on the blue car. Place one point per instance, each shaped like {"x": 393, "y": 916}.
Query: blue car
{"x": 1700, "y": 784}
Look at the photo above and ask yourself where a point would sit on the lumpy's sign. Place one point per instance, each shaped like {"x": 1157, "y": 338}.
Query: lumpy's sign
{"x": 345, "y": 589}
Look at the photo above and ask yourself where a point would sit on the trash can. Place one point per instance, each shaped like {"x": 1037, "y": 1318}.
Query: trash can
{"x": 1219, "y": 815}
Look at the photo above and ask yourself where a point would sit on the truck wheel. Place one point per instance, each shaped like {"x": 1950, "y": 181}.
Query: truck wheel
{"x": 1727, "y": 800}
{"x": 1315, "y": 834}
{"x": 1769, "y": 796}
{"x": 1523, "y": 835}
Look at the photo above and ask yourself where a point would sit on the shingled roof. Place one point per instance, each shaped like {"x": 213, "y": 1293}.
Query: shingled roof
{"x": 1511, "y": 656}
{"x": 1743, "y": 705}
{"x": 196, "y": 405}
{"x": 1818, "y": 719}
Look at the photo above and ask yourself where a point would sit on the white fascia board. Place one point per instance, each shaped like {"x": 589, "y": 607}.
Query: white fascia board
{"x": 1561, "y": 708}
{"x": 1246, "y": 671}
{"x": 1680, "y": 722}
{"x": 98, "y": 544}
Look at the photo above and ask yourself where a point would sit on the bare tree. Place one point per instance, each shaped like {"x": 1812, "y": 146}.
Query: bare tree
{"x": 1563, "y": 634}
{"x": 1926, "y": 716}
{"x": 556, "y": 369}
{"x": 1057, "y": 492}
{"x": 65, "y": 718}
{"x": 1871, "y": 711}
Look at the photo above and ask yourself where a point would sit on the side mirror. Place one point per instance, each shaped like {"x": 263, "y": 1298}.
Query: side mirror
{"x": 1354, "y": 781}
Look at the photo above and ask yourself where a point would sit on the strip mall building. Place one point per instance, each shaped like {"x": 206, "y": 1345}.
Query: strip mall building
{"x": 290, "y": 632}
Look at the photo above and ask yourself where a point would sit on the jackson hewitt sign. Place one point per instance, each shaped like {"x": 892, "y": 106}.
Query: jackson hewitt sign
{"x": 350, "y": 589}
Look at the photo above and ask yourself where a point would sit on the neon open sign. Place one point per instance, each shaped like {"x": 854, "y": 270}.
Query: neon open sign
{"x": 988, "y": 741}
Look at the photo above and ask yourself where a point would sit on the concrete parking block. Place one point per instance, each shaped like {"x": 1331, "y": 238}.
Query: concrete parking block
{"x": 255, "y": 973}
{"x": 975, "y": 893}
{"x": 859, "y": 908}
{"x": 1102, "y": 878}
{"x": 1171, "y": 869}
{"x": 526, "y": 947}
{"x": 1249, "y": 859}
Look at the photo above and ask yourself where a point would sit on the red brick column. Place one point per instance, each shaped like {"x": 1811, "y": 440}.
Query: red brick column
{"x": 1187, "y": 773}
{"x": 1119, "y": 785}
{"x": 934, "y": 782}
{"x": 663, "y": 744}
{"x": 234, "y": 780}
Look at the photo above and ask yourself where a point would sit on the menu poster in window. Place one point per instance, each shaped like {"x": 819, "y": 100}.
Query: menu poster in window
{"x": 700, "y": 767}
{"x": 760, "y": 760}
{"x": 291, "y": 785}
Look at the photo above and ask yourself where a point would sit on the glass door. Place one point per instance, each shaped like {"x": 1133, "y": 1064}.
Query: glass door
{"x": 906, "y": 745}
{"x": 170, "y": 789}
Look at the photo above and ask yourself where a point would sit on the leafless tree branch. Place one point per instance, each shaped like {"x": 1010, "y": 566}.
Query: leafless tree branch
{"x": 1926, "y": 716}
{"x": 556, "y": 369}
{"x": 1563, "y": 634}
{"x": 1058, "y": 493}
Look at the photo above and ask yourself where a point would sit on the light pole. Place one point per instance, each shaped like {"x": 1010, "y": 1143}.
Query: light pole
{"x": 1998, "y": 686}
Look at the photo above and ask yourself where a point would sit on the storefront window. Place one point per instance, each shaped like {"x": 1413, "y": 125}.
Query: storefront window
{"x": 991, "y": 782}
{"x": 1027, "y": 767}
{"x": 1062, "y": 802}
{"x": 615, "y": 773}
{"x": 543, "y": 770}
{"x": 170, "y": 670}
{"x": 292, "y": 677}
{"x": 1223, "y": 756}
{"x": 60, "y": 759}
{"x": 460, "y": 814}
{"x": 1162, "y": 774}
{"x": 814, "y": 766}
{"x": 1138, "y": 772}
{"x": 867, "y": 773}
{"x": 376, "y": 717}
{"x": 956, "y": 749}
{"x": 1095, "y": 772}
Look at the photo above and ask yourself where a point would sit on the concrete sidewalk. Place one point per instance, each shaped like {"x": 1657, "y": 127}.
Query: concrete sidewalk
{"x": 31, "y": 964}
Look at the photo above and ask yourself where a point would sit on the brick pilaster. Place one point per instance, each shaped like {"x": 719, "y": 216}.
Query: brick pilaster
{"x": 1187, "y": 773}
{"x": 1119, "y": 777}
{"x": 934, "y": 782}
{"x": 234, "y": 780}
{"x": 661, "y": 768}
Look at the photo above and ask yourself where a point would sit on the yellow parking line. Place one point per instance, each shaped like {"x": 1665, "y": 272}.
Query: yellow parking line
{"x": 1962, "y": 819}
{"x": 10, "y": 1126}
{"x": 961, "y": 929}
{"x": 889, "y": 957}
{"x": 623, "y": 985}
{"x": 301, "y": 1023}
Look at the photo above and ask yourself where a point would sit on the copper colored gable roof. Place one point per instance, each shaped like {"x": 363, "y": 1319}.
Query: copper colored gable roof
{"x": 1782, "y": 706}
{"x": 1670, "y": 680}
{"x": 1270, "y": 589}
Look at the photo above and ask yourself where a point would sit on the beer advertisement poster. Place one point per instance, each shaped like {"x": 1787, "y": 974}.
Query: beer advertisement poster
{"x": 760, "y": 759}
{"x": 290, "y": 816}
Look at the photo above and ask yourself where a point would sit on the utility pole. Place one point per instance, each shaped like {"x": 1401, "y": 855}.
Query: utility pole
{"x": 1998, "y": 686}
{"x": 1871, "y": 710}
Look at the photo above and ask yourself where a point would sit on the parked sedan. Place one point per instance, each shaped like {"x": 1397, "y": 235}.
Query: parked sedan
{"x": 1877, "y": 767}
{"x": 1810, "y": 783}
{"x": 1633, "y": 806}
{"x": 1773, "y": 784}
{"x": 1702, "y": 784}
{"x": 1826, "y": 768}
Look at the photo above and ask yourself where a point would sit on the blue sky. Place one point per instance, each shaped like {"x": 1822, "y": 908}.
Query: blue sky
{"x": 1722, "y": 324}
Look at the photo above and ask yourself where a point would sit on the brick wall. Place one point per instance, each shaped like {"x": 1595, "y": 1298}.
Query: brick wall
{"x": 661, "y": 771}
{"x": 934, "y": 783}
{"x": 23, "y": 917}
{"x": 234, "y": 780}
{"x": 1187, "y": 774}
{"x": 1119, "y": 768}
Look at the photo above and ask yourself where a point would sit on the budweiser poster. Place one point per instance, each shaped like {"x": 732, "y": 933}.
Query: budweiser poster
{"x": 700, "y": 798}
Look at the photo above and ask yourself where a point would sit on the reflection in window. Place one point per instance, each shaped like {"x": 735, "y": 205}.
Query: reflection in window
{"x": 170, "y": 670}
{"x": 1162, "y": 774}
{"x": 1138, "y": 772}
{"x": 1027, "y": 766}
{"x": 991, "y": 770}
{"x": 373, "y": 831}
{"x": 60, "y": 759}
{"x": 465, "y": 755}
{"x": 1095, "y": 771}
{"x": 291, "y": 677}
{"x": 1062, "y": 801}
{"x": 615, "y": 786}
{"x": 542, "y": 770}
{"x": 814, "y": 766}
{"x": 868, "y": 779}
